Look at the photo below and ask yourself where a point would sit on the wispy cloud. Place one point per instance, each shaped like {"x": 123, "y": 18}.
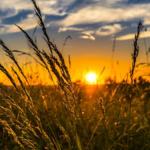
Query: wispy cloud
{"x": 87, "y": 37}
{"x": 26, "y": 24}
{"x": 109, "y": 30}
{"x": 132, "y": 36}
{"x": 63, "y": 29}
{"x": 88, "y": 32}
{"x": 48, "y": 7}
{"x": 96, "y": 13}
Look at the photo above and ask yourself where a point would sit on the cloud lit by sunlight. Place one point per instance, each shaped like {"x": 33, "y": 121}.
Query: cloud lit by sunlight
{"x": 90, "y": 37}
{"x": 47, "y": 7}
{"x": 108, "y": 30}
{"x": 132, "y": 36}
{"x": 63, "y": 29}
{"x": 88, "y": 32}
{"x": 87, "y": 35}
{"x": 98, "y": 13}
{"x": 26, "y": 24}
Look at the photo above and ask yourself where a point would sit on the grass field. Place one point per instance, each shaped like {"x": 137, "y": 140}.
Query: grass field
{"x": 71, "y": 115}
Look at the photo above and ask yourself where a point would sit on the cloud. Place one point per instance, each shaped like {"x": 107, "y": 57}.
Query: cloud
{"x": 88, "y": 37}
{"x": 132, "y": 36}
{"x": 96, "y": 13}
{"x": 108, "y": 30}
{"x": 13, "y": 7}
{"x": 27, "y": 24}
{"x": 87, "y": 32}
{"x": 7, "y": 13}
{"x": 69, "y": 29}
{"x": 48, "y": 7}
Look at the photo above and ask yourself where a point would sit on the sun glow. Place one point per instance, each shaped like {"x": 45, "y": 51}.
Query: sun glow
{"x": 91, "y": 78}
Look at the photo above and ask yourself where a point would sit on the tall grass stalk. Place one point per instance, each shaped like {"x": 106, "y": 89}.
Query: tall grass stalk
{"x": 136, "y": 50}
{"x": 68, "y": 37}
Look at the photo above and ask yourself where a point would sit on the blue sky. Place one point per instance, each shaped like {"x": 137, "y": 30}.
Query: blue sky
{"x": 92, "y": 24}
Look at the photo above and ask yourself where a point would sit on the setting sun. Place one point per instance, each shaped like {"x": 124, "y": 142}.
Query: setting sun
{"x": 91, "y": 78}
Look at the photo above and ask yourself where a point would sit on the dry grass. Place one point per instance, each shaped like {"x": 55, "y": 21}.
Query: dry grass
{"x": 97, "y": 123}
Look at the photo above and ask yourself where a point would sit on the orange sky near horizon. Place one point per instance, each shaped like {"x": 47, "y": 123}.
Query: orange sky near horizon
{"x": 36, "y": 74}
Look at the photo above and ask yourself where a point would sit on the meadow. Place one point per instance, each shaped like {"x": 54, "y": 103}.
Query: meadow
{"x": 71, "y": 115}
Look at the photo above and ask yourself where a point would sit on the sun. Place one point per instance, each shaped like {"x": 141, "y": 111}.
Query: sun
{"x": 91, "y": 78}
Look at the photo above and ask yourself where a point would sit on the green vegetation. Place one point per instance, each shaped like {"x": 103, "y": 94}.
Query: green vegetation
{"x": 71, "y": 116}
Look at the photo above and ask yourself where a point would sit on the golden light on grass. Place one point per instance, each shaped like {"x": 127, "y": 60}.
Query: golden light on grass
{"x": 91, "y": 78}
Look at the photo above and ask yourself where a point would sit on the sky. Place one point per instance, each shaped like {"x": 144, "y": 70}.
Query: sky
{"x": 92, "y": 26}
